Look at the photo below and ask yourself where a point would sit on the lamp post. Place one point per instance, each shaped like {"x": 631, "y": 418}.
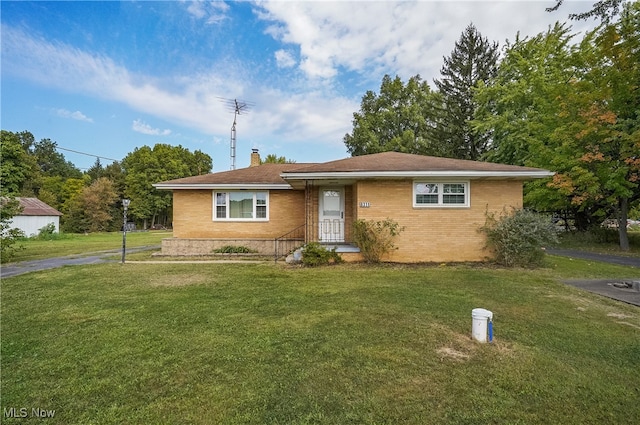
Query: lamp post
{"x": 125, "y": 204}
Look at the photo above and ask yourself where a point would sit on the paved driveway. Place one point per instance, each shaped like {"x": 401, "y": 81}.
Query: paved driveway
{"x": 611, "y": 288}
{"x": 605, "y": 258}
{"x": 14, "y": 269}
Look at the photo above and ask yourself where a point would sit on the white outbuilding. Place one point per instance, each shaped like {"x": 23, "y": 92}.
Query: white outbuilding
{"x": 34, "y": 216}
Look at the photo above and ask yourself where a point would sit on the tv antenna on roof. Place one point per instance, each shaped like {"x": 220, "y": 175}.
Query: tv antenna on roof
{"x": 237, "y": 107}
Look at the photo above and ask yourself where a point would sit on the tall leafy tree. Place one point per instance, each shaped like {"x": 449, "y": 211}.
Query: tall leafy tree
{"x": 572, "y": 108}
{"x": 527, "y": 107}
{"x": 17, "y": 167}
{"x": 401, "y": 118}
{"x": 93, "y": 209}
{"x": 474, "y": 60}
{"x": 115, "y": 173}
{"x": 99, "y": 201}
{"x": 604, "y": 10}
{"x": 145, "y": 166}
{"x": 52, "y": 162}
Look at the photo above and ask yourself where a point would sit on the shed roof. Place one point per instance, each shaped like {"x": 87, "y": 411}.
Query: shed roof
{"x": 35, "y": 207}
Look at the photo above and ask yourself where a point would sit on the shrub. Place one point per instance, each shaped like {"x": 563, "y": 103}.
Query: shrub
{"x": 46, "y": 233}
{"x": 10, "y": 236}
{"x": 517, "y": 239}
{"x": 314, "y": 254}
{"x": 230, "y": 249}
{"x": 375, "y": 238}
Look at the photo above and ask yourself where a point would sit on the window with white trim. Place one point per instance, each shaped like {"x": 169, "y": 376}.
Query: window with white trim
{"x": 241, "y": 205}
{"x": 434, "y": 194}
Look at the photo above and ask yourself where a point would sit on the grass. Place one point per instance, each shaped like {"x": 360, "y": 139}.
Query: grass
{"x": 604, "y": 241}
{"x": 78, "y": 244}
{"x": 268, "y": 344}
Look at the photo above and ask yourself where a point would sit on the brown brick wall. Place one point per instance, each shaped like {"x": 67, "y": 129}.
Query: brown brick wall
{"x": 430, "y": 234}
{"x": 436, "y": 234}
{"x": 193, "y": 216}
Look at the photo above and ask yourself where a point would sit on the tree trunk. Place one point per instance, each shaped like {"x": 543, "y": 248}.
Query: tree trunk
{"x": 583, "y": 220}
{"x": 623, "y": 214}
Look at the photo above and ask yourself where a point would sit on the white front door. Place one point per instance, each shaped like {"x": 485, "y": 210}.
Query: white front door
{"x": 331, "y": 226}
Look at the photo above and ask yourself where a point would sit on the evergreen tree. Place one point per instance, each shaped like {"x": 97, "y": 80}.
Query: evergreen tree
{"x": 96, "y": 171}
{"x": 473, "y": 61}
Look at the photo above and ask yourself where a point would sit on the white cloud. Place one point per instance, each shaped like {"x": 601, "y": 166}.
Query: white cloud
{"x": 285, "y": 59}
{"x": 194, "y": 101}
{"x": 211, "y": 11}
{"x": 369, "y": 39}
{"x": 144, "y": 128}
{"x": 77, "y": 115}
{"x": 405, "y": 38}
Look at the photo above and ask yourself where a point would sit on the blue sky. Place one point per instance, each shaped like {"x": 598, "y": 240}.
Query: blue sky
{"x": 106, "y": 77}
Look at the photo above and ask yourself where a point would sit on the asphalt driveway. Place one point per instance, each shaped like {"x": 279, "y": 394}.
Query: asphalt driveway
{"x": 605, "y": 258}
{"x": 14, "y": 269}
{"x": 618, "y": 289}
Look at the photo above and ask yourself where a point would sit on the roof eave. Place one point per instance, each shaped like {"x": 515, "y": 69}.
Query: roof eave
{"x": 524, "y": 175}
{"x": 211, "y": 186}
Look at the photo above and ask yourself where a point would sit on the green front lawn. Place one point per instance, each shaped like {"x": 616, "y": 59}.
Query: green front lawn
{"x": 269, "y": 344}
{"x": 80, "y": 244}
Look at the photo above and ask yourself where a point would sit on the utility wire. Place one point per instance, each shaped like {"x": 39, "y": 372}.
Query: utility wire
{"x": 87, "y": 154}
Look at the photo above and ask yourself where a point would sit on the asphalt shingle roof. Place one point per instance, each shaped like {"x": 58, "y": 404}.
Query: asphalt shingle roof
{"x": 385, "y": 162}
{"x": 262, "y": 174}
{"x": 396, "y": 161}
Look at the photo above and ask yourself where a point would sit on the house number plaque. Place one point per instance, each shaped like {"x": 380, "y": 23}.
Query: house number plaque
{"x": 365, "y": 204}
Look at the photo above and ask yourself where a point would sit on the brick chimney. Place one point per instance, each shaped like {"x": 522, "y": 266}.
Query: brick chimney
{"x": 255, "y": 158}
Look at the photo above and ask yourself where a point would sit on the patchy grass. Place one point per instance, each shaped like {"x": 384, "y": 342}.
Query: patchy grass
{"x": 604, "y": 241}
{"x": 264, "y": 343}
{"x": 79, "y": 244}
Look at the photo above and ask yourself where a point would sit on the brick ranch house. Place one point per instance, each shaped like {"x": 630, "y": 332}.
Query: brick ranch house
{"x": 274, "y": 208}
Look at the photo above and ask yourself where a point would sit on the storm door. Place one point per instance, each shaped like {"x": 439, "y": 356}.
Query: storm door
{"x": 331, "y": 215}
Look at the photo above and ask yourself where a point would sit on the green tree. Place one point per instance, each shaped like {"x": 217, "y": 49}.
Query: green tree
{"x": 17, "y": 167}
{"x": 96, "y": 170}
{"x": 401, "y": 118}
{"x": 146, "y": 166}
{"x": 69, "y": 197}
{"x": 605, "y": 10}
{"x": 115, "y": 173}
{"x": 521, "y": 108}
{"x": 572, "y": 108}
{"x": 274, "y": 159}
{"x": 52, "y": 162}
{"x": 473, "y": 60}
{"x": 93, "y": 209}
{"x": 99, "y": 202}
{"x": 9, "y": 208}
